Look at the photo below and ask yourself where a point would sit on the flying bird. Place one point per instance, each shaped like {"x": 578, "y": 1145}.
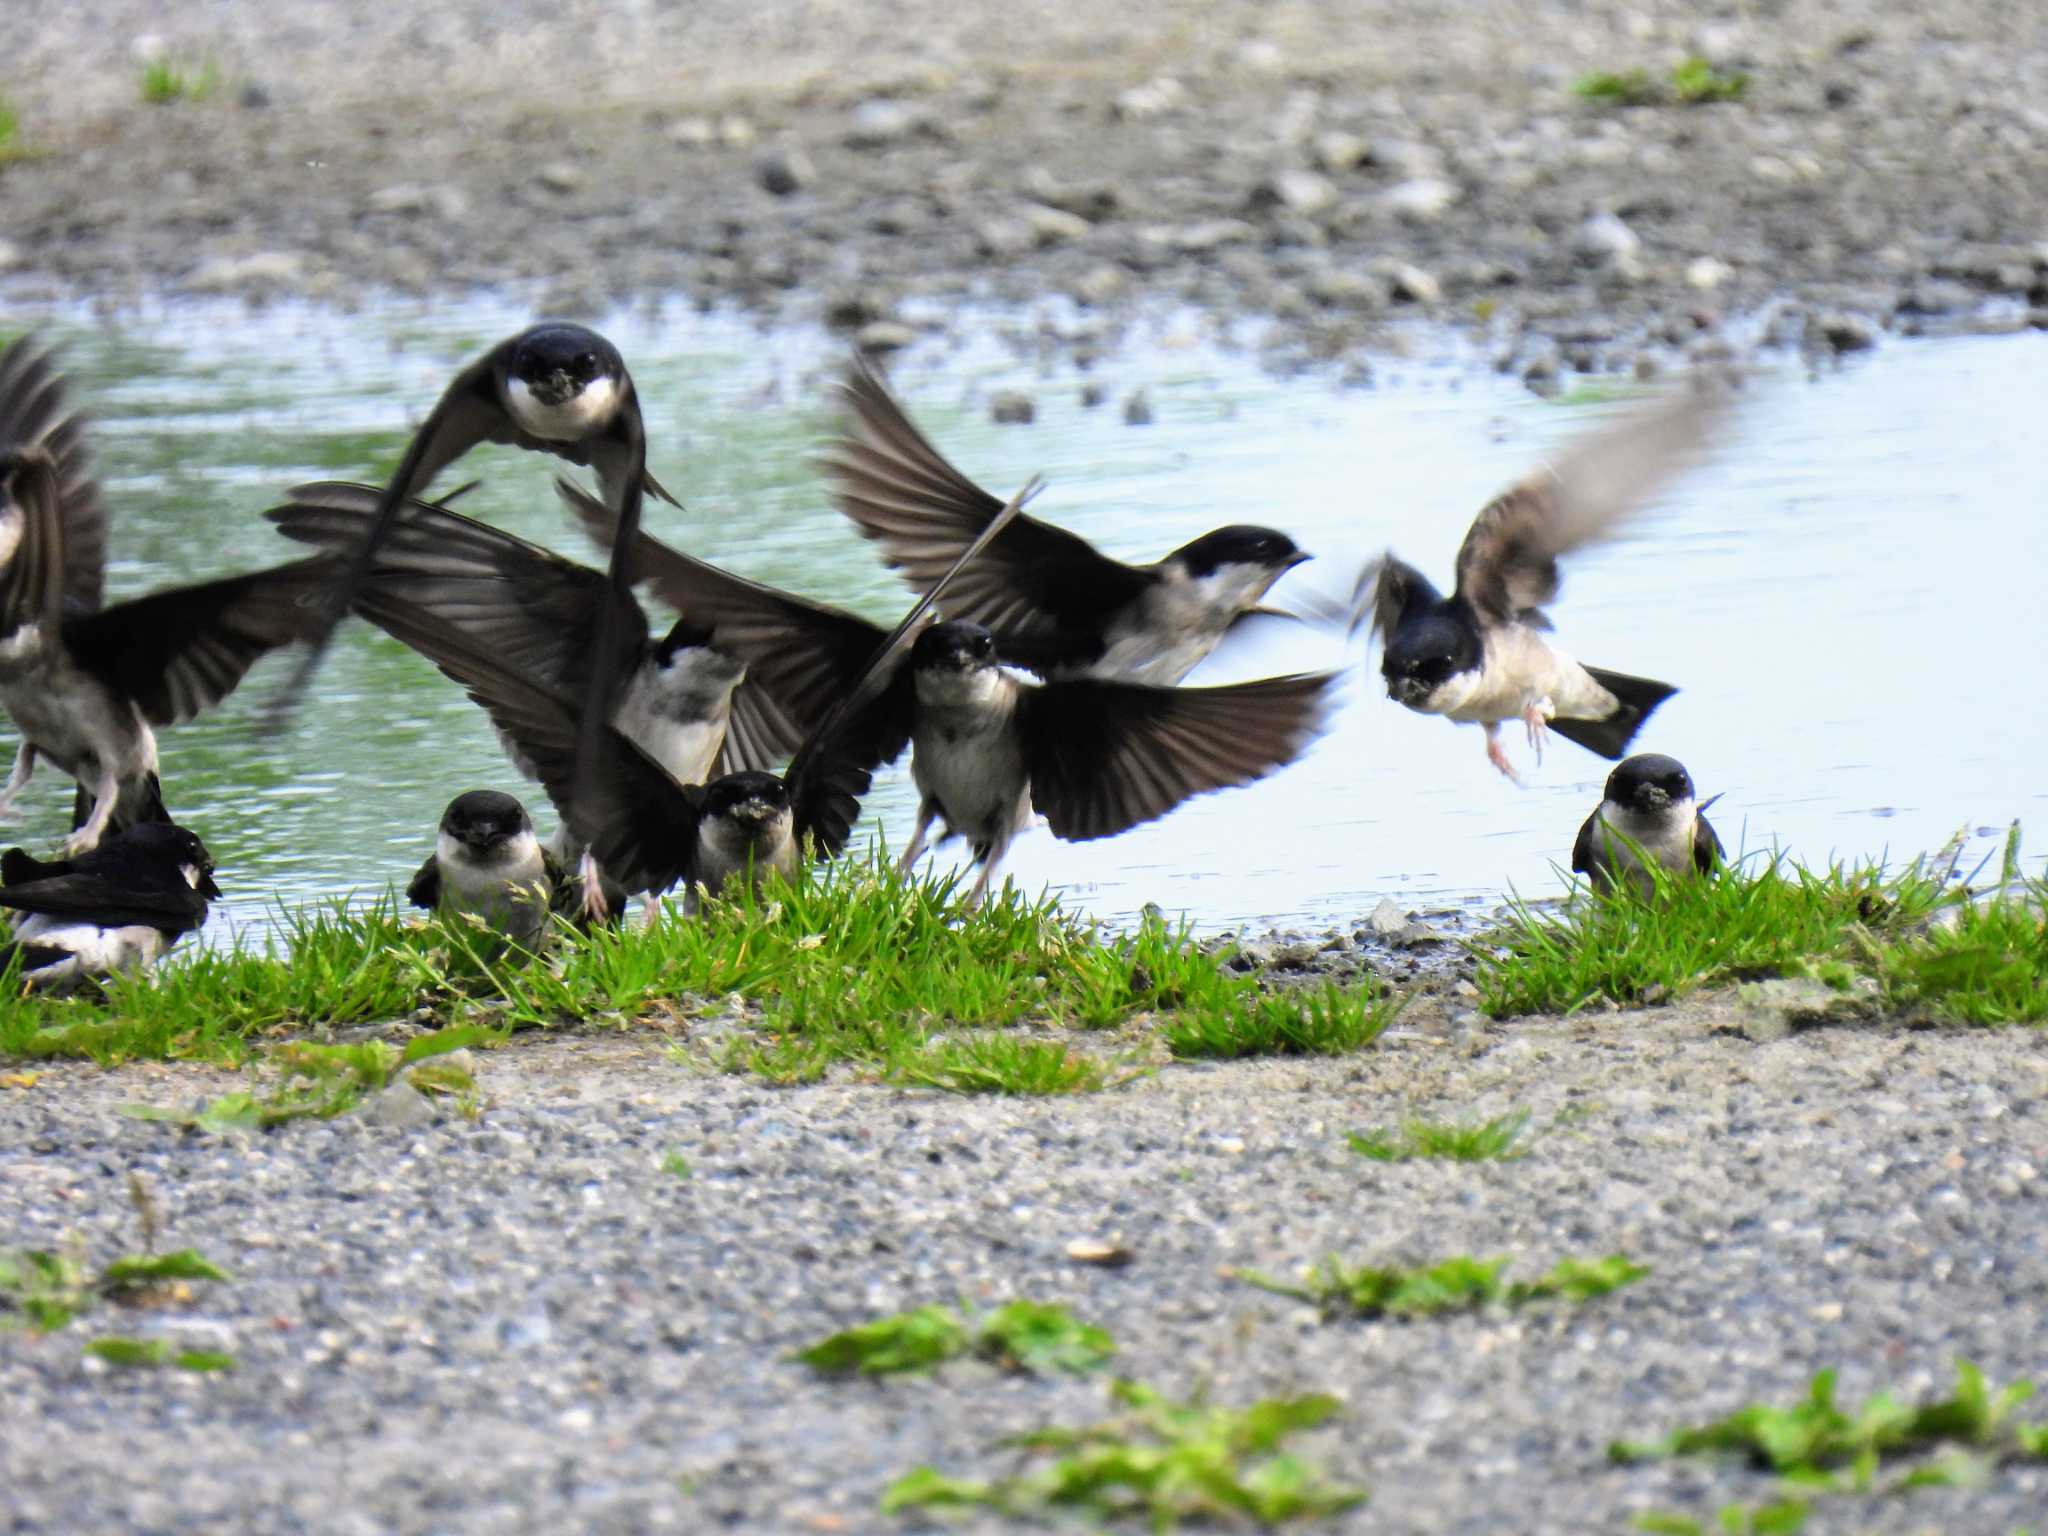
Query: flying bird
{"x": 116, "y": 908}
{"x": 1063, "y": 608}
{"x": 1483, "y": 654}
{"x": 555, "y": 388}
{"x": 87, "y": 686}
{"x": 1648, "y": 812}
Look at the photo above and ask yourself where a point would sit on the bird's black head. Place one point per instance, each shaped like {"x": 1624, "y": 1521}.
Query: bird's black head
{"x": 750, "y": 800}
{"x": 1426, "y": 652}
{"x": 1266, "y": 549}
{"x": 485, "y": 819}
{"x": 557, "y": 361}
{"x": 169, "y": 843}
{"x": 1649, "y": 782}
{"x": 955, "y": 646}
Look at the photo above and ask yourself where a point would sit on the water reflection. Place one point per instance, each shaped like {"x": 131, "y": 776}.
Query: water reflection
{"x": 1848, "y": 596}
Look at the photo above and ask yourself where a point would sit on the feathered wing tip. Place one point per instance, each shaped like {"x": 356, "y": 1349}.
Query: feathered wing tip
{"x": 1636, "y": 698}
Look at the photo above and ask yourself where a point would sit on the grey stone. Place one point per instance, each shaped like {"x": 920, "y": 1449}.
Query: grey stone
{"x": 882, "y": 121}
{"x": 784, "y": 169}
{"x": 399, "y": 1106}
{"x": 1338, "y": 152}
{"x": 1010, "y": 408}
{"x": 1770, "y": 1010}
{"x": 884, "y": 336}
{"x": 1138, "y": 409}
{"x": 1421, "y": 200}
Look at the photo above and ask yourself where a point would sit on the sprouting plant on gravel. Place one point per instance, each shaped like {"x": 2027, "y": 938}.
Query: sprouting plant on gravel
{"x": 1161, "y": 1461}
{"x": 1001, "y": 1064}
{"x": 10, "y": 131}
{"x": 677, "y": 1164}
{"x": 1773, "y": 1517}
{"x": 1693, "y": 81}
{"x": 166, "y": 79}
{"x": 1630, "y": 88}
{"x": 1021, "y": 1336}
{"x": 1294, "y": 1021}
{"x": 45, "y": 1291}
{"x": 117, "y": 1350}
{"x": 1825, "y": 1447}
{"x": 1452, "y": 1141}
{"x": 1459, "y": 1284}
{"x": 1696, "y": 81}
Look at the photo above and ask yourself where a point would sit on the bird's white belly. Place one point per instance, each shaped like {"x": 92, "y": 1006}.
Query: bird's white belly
{"x": 1519, "y": 668}
{"x": 95, "y": 951}
{"x": 569, "y": 422}
{"x": 73, "y": 719}
{"x": 977, "y": 778}
{"x": 1664, "y": 836}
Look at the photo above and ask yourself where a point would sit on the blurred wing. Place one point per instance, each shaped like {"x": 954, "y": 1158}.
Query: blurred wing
{"x": 33, "y": 415}
{"x": 1105, "y": 756}
{"x": 531, "y": 608}
{"x": 805, "y": 655}
{"x": 1507, "y": 566}
{"x": 1388, "y": 590}
{"x": 424, "y": 890}
{"x": 179, "y": 653}
{"x": 639, "y": 823}
{"x": 1707, "y": 853}
{"x": 32, "y": 539}
{"x": 91, "y": 898}
{"x": 758, "y": 735}
{"x": 1037, "y": 583}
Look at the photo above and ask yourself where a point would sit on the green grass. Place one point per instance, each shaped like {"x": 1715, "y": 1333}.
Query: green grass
{"x": 1772, "y": 919}
{"x": 1029, "y": 1336}
{"x": 46, "y": 1291}
{"x": 1460, "y": 1284}
{"x": 1478, "y": 1141}
{"x": 11, "y": 146}
{"x": 1820, "y": 1449}
{"x": 166, "y": 79}
{"x": 849, "y": 966}
{"x": 1159, "y": 1461}
{"x": 117, "y": 1350}
{"x": 1693, "y": 82}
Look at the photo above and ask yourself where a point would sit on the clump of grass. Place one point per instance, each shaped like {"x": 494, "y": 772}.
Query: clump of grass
{"x": 1693, "y": 81}
{"x": 11, "y": 147}
{"x": 1296, "y": 1021}
{"x": 1000, "y": 1064}
{"x": 319, "y": 1082}
{"x": 1022, "y": 1336}
{"x": 1989, "y": 965}
{"x": 166, "y": 79}
{"x": 1697, "y": 933}
{"x": 1460, "y": 1284}
{"x": 1161, "y": 1461}
{"x": 118, "y": 1350}
{"x": 1452, "y": 1141}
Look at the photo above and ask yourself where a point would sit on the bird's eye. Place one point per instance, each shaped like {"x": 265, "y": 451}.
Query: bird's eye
{"x": 586, "y": 364}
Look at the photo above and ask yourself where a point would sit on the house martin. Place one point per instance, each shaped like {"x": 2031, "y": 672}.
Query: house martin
{"x": 1648, "y": 811}
{"x": 86, "y": 686}
{"x": 1482, "y": 654}
{"x": 1061, "y": 606}
{"x": 116, "y": 908}
{"x": 487, "y": 864}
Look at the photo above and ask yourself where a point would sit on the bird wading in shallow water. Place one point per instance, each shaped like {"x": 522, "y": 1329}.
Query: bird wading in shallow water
{"x": 1062, "y": 607}
{"x": 555, "y": 388}
{"x": 1482, "y": 655}
{"x": 1649, "y": 813}
{"x": 86, "y": 685}
{"x": 114, "y": 909}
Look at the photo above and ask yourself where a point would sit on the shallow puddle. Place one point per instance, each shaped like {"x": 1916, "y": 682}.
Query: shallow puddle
{"x": 1849, "y": 595}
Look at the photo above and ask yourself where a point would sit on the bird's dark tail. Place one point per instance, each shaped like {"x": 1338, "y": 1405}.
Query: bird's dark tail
{"x": 1638, "y": 699}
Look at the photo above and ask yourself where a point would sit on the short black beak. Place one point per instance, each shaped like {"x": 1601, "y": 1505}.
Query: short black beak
{"x": 207, "y": 888}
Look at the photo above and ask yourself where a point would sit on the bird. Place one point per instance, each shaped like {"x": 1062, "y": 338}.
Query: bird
{"x": 488, "y": 864}
{"x": 1063, "y": 608}
{"x": 1648, "y": 811}
{"x": 114, "y": 909}
{"x": 555, "y": 388}
{"x": 1481, "y": 655}
{"x": 1094, "y": 757}
{"x": 686, "y": 702}
{"x": 87, "y": 686}
{"x": 648, "y": 830}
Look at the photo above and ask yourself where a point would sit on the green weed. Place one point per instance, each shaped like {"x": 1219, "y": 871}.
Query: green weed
{"x": 116, "y": 1350}
{"x": 1693, "y": 82}
{"x": 1022, "y": 1336}
{"x": 1696, "y": 82}
{"x": 1460, "y": 1284}
{"x": 1000, "y": 1064}
{"x": 166, "y": 80}
{"x": 1629, "y": 88}
{"x": 1458, "y": 1142}
{"x": 11, "y": 147}
{"x": 1160, "y": 1460}
{"x": 1295, "y": 1021}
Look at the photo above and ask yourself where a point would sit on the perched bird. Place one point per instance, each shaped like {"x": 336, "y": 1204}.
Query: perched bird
{"x": 1094, "y": 757}
{"x": 681, "y": 698}
{"x": 117, "y": 908}
{"x": 1481, "y": 654}
{"x": 1063, "y": 608}
{"x": 555, "y": 388}
{"x": 488, "y": 864}
{"x": 86, "y": 686}
{"x": 647, "y": 829}
{"x": 1649, "y": 803}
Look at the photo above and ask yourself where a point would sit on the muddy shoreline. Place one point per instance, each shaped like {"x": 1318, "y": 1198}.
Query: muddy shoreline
{"x": 1337, "y": 171}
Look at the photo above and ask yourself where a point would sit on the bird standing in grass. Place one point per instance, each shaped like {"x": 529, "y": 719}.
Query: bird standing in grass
{"x": 1649, "y": 812}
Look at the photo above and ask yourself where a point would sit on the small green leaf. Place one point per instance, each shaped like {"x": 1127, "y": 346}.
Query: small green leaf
{"x": 158, "y": 1352}
{"x": 1038, "y": 1337}
{"x": 153, "y": 1269}
{"x": 910, "y": 1341}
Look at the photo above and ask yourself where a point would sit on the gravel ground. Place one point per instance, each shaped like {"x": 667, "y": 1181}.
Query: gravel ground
{"x": 524, "y": 1323}
{"x": 1340, "y": 167}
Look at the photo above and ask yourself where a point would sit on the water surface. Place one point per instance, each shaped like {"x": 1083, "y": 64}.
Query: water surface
{"x": 1849, "y": 595}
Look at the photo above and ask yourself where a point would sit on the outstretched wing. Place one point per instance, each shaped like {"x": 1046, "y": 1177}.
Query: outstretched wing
{"x": 31, "y": 539}
{"x": 1042, "y": 588}
{"x": 1507, "y": 566}
{"x": 1388, "y": 591}
{"x": 33, "y": 414}
{"x": 1105, "y": 756}
{"x": 179, "y": 653}
{"x": 90, "y": 898}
